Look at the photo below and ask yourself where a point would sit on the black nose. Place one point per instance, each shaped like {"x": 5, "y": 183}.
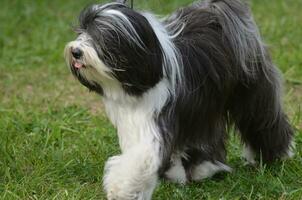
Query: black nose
{"x": 77, "y": 53}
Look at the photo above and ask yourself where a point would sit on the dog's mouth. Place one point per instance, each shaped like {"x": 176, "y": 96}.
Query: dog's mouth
{"x": 77, "y": 64}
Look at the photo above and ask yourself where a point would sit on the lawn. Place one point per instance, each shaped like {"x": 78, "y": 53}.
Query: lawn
{"x": 55, "y": 137}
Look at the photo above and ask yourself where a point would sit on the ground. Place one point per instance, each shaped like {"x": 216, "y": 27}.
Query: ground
{"x": 55, "y": 137}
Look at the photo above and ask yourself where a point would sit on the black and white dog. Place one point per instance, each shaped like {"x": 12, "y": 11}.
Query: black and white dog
{"x": 172, "y": 87}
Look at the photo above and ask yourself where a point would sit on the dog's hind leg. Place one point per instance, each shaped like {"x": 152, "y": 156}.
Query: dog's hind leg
{"x": 202, "y": 161}
{"x": 192, "y": 166}
{"x": 258, "y": 114}
{"x": 205, "y": 163}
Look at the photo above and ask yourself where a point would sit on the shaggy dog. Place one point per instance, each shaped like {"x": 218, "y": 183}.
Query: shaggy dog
{"x": 173, "y": 87}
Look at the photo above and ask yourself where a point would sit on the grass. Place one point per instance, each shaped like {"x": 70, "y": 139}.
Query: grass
{"x": 55, "y": 138}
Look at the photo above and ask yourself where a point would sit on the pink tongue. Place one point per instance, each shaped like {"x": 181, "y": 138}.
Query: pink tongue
{"x": 78, "y": 65}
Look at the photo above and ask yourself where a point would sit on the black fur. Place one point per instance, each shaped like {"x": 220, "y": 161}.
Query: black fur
{"x": 137, "y": 67}
{"x": 220, "y": 90}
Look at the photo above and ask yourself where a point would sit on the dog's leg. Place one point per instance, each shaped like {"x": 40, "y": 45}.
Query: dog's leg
{"x": 258, "y": 114}
{"x": 270, "y": 142}
{"x": 177, "y": 173}
{"x": 205, "y": 162}
{"x": 133, "y": 175}
{"x": 200, "y": 161}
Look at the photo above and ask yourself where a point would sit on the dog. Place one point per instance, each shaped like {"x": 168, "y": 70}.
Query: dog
{"x": 173, "y": 87}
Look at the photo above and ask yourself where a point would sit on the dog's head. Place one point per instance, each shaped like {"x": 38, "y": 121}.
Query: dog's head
{"x": 116, "y": 45}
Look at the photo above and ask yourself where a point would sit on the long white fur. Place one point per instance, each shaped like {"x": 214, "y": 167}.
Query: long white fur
{"x": 120, "y": 23}
{"x": 134, "y": 117}
{"x": 133, "y": 175}
{"x": 126, "y": 25}
{"x": 172, "y": 59}
{"x": 135, "y": 171}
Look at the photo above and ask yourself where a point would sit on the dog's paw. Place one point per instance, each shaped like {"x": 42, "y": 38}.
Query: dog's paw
{"x": 249, "y": 156}
{"x": 117, "y": 193}
{"x": 120, "y": 183}
{"x": 176, "y": 173}
{"x": 122, "y": 191}
{"x": 290, "y": 152}
{"x": 208, "y": 169}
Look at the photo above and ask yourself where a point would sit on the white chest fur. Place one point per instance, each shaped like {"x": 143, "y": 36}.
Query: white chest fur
{"x": 134, "y": 116}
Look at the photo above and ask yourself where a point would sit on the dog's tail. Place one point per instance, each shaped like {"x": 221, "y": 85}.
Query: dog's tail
{"x": 241, "y": 34}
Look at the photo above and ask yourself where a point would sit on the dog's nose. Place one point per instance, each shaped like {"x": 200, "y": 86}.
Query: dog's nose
{"x": 76, "y": 53}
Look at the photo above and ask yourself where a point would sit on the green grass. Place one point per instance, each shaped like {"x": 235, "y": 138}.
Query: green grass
{"x": 55, "y": 138}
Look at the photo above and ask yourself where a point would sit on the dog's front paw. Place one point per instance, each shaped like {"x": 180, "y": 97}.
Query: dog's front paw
{"x": 118, "y": 190}
{"x": 117, "y": 181}
{"x": 116, "y": 195}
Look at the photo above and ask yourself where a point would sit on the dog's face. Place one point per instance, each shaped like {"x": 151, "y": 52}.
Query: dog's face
{"x": 115, "y": 44}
